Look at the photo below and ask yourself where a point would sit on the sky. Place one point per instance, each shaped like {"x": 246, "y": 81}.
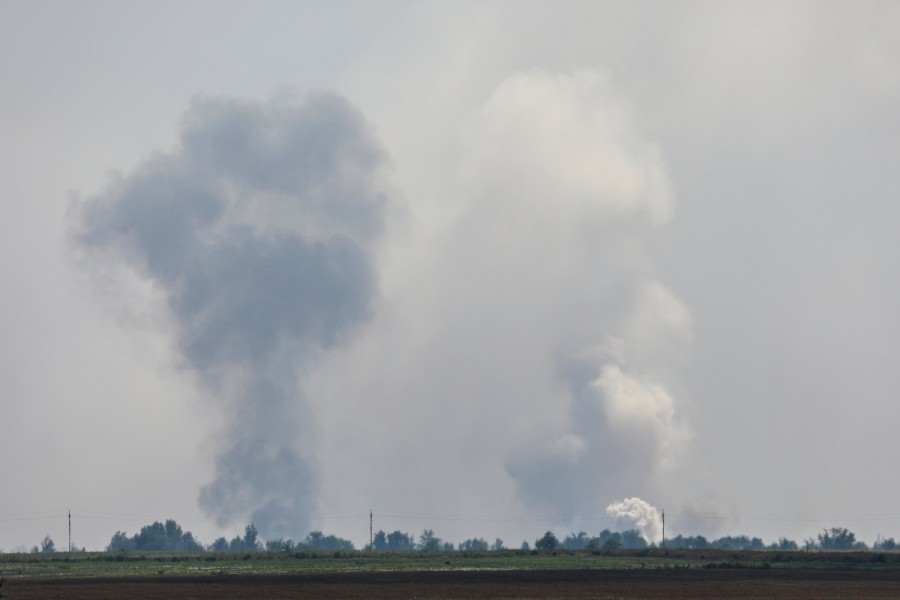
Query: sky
{"x": 481, "y": 268}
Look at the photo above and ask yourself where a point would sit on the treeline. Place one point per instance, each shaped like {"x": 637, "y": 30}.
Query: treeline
{"x": 835, "y": 538}
{"x": 630, "y": 539}
{"x": 169, "y": 537}
{"x": 157, "y": 537}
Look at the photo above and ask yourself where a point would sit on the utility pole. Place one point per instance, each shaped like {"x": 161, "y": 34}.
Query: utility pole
{"x": 70, "y": 531}
{"x": 663, "y": 511}
{"x": 371, "y": 540}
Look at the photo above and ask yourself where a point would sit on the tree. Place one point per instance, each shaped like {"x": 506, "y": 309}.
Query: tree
{"x": 173, "y": 530}
{"x": 497, "y": 545}
{"x": 47, "y": 545}
{"x": 473, "y": 545}
{"x": 392, "y": 542}
{"x": 157, "y": 537}
{"x": 784, "y": 543}
{"x": 275, "y": 545}
{"x": 189, "y": 543}
{"x": 319, "y": 541}
{"x": 741, "y": 542}
{"x": 151, "y": 537}
{"x": 400, "y": 541}
{"x": 548, "y": 542}
{"x": 429, "y": 542}
{"x": 120, "y": 542}
{"x": 607, "y": 540}
{"x": 279, "y": 545}
{"x": 313, "y": 539}
{"x": 632, "y": 539}
{"x": 697, "y": 542}
{"x": 612, "y": 542}
{"x": 885, "y": 543}
{"x": 379, "y": 542}
{"x": 837, "y": 538}
{"x": 251, "y": 541}
{"x": 574, "y": 541}
{"x": 220, "y": 545}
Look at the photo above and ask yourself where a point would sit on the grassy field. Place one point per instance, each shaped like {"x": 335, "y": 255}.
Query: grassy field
{"x": 76, "y": 565}
{"x": 618, "y": 575}
{"x": 15, "y": 566}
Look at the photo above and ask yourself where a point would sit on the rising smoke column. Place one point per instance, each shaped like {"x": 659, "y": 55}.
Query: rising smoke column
{"x": 258, "y": 230}
{"x": 558, "y": 165}
{"x": 525, "y": 362}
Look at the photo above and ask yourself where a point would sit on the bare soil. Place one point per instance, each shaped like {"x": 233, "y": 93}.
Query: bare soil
{"x": 585, "y": 583}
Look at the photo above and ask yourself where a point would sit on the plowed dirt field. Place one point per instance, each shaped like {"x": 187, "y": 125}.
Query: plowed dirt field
{"x": 584, "y": 583}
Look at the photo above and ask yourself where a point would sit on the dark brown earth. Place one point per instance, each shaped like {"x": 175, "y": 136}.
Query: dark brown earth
{"x": 605, "y": 584}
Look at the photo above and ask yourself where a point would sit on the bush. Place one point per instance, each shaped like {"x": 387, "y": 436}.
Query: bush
{"x": 548, "y": 542}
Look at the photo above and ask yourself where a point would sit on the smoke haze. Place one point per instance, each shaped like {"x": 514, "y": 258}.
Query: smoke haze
{"x": 526, "y": 355}
{"x": 527, "y": 259}
{"x": 535, "y": 308}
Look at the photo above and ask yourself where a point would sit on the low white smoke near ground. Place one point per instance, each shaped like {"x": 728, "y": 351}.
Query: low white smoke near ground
{"x": 634, "y": 513}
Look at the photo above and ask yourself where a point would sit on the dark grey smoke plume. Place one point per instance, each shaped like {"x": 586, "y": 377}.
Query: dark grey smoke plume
{"x": 259, "y": 231}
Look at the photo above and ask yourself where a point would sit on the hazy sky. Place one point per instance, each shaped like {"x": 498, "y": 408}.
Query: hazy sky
{"x": 484, "y": 268}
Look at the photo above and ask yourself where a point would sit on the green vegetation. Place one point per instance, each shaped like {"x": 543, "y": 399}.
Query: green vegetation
{"x": 164, "y": 548}
{"x": 107, "y": 564}
{"x": 156, "y": 537}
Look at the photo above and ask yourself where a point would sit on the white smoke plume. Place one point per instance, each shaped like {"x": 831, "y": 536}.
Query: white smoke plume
{"x": 524, "y": 348}
{"x": 634, "y": 513}
{"x": 558, "y": 160}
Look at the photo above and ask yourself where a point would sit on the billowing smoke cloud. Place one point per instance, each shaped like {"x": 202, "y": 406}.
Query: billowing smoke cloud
{"x": 524, "y": 358}
{"x": 520, "y": 357}
{"x": 562, "y": 156}
{"x": 258, "y": 232}
{"x": 634, "y": 513}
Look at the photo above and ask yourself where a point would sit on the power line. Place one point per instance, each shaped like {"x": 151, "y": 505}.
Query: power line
{"x": 473, "y": 518}
{"x": 41, "y": 517}
{"x": 777, "y": 518}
